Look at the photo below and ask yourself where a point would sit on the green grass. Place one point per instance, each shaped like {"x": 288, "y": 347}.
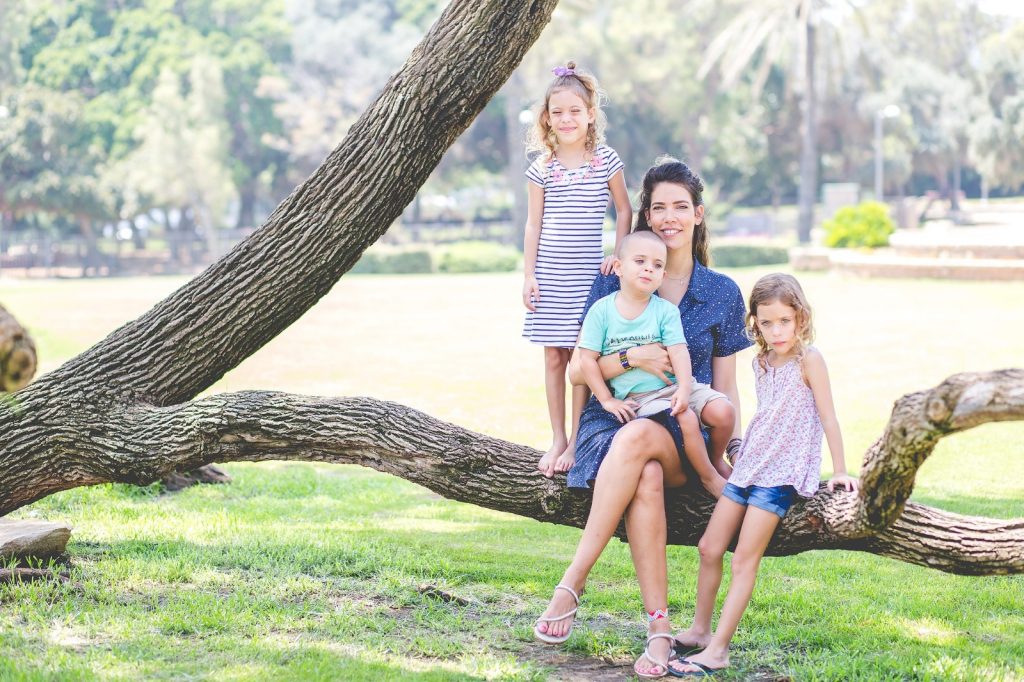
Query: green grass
{"x": 304, "y": 571}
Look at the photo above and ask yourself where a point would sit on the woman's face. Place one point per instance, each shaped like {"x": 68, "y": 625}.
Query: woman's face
{"x": 672, "y": 215}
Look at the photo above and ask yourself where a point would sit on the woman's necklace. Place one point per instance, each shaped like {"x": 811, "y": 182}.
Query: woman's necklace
{"x": 681, "y": 280}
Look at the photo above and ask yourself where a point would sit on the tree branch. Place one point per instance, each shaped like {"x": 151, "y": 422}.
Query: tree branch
{"x": 142, "y": 443}
{"x": 918, "y": 422}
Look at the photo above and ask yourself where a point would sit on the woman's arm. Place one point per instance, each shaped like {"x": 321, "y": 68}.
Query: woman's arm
{"x": 723, "y": 380}
{"x": 816, "y": 375}
{"x": 651, "y": 358}
{"x": 534, "y": 215}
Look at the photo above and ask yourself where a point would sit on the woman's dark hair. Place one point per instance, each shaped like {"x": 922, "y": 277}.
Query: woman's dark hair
{"x": 667, "y": 169}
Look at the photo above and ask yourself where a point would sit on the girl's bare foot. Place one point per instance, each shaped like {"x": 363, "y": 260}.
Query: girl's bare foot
{"x": 546, "y": 464}
{"x": 692, "y": 638}
{"x": 566, "y": 459}
{"x": 710, "y": 662}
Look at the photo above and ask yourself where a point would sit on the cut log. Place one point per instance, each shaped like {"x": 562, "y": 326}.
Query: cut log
{"x": 21, "y": 539}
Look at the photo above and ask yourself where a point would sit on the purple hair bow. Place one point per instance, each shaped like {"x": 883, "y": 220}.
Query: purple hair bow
{"x": 561, "y": 71}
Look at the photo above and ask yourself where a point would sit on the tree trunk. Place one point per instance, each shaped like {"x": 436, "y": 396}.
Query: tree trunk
{"x": 808, "y": 143}
{"x": 122, "y": 410}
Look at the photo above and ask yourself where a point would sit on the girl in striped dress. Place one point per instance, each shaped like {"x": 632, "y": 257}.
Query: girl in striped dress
{"x": 570, "y": 183}
{"x": 779, "y": 459}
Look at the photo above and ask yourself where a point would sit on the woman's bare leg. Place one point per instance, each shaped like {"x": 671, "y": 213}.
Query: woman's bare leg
{"x": 555, "y": 362}
{"x": 636, "y": 443}
{"x": 647, "y": 530}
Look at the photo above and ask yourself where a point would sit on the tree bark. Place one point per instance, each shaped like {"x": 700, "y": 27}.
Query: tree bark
{"x": 122, "y": 411}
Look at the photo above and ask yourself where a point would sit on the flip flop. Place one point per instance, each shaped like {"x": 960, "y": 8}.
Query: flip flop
{"x": 705, "y": 671}
{"x": 652, "y": 659}
{"x": 550, "y": 639}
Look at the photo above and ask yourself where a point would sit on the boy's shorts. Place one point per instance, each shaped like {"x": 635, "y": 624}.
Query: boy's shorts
{"x": 653, "y": 402}
{"x": 776, "y": 499}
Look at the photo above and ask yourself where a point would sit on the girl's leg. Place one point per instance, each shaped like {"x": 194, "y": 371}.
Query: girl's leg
{"x": 725, "y": 521}
{"x": 636, "y": 443}
{"x": 580, "y": 396}
{"x": 555, "y": 362}
{"x": 757, "y": 530}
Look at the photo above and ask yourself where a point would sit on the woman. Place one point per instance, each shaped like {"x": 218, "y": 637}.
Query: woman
{"x": 630, "y": 465}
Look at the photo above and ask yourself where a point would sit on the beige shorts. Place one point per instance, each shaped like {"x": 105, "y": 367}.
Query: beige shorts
{"x": 653, "y": 402}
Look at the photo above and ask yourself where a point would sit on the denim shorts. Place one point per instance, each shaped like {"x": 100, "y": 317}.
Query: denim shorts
{"x": 777, "y": 499}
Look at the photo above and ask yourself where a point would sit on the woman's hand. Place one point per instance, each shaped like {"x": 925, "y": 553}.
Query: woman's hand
{"x": 531, "y": 293}
{"x": 652, "y": 358}
{"x": 624, "y": 410}
{"x": 844, "y": 481}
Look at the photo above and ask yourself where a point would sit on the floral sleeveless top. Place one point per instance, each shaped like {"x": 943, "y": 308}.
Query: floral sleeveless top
{"x": 782, "y": 445}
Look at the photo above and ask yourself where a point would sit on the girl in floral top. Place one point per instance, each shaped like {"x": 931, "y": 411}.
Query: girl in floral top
{"x": 780, "y": 458}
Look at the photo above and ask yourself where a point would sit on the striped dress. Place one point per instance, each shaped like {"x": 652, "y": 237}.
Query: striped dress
{"x": 570, "y": 250}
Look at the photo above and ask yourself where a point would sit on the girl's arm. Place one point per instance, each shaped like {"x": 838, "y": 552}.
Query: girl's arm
{"x": 723, "y": 380}
{"x": 651, "y": 358}
{"x": 534, "y": 214}
{"x": 816, "y": 375}
{"x": 623, "y": 216}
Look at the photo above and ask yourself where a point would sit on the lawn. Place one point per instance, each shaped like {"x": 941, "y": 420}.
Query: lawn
{"x": 303, "y": 571}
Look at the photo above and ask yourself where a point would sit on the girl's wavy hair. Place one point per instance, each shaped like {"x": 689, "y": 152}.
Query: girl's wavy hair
{"x": 786, "y": 290}
{"x": 668, "y": 169}
{"x": 541, "y": 137}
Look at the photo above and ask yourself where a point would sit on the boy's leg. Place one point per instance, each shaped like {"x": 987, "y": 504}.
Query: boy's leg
{"x": 697, "y": 453}
{"x": 756, "y": 532}
{"x": 725, "y": 521}
{"x": 555, "y": 362}
{"x": 580, "y": 396}
{"x": 720, "y": 417}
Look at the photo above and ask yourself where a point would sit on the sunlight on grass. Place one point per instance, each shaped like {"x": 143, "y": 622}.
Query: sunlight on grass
{"x": 303, "y": 571}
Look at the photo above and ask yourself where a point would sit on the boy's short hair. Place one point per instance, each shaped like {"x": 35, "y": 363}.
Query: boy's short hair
{"x": 641, "y": 235}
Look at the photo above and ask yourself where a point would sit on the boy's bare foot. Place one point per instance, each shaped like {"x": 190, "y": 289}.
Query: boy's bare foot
{"x": 546, "y": 464}
{"x": 702, "y": 664}
{"x": 566, "y": 459}
{"x": 691, "y": 638}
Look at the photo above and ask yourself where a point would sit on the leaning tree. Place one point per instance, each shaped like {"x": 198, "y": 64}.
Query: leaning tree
{"x": 123, "y": 410}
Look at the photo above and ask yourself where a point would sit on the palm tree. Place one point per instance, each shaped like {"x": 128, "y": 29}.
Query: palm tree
{"x": 772, "y": 29}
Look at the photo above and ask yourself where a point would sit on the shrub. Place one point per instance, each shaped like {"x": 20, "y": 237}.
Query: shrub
{"x": 867, "y": 224}
{"x": 402, "y": 262}
{"x": 477, "y": 257}
{"x": 746, "y": 255}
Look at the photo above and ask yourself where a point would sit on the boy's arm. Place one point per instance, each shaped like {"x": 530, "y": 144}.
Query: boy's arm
{"x": 623, "y": 410}
{"x": 816, "y": 374}
{"x": 679, "y": 356}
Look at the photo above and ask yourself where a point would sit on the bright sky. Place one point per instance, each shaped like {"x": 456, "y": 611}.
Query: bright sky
{"x": 1014, "y": 8}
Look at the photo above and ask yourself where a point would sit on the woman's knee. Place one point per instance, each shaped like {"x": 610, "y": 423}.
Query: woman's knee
{"x": 638, "y": 441}
{"x": 652, "y": 480}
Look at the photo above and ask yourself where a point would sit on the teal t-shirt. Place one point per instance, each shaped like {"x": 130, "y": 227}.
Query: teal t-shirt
{"x": 605, "y": 331}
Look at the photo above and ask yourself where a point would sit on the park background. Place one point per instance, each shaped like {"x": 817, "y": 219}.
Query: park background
{"x": 147, "y": 137}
